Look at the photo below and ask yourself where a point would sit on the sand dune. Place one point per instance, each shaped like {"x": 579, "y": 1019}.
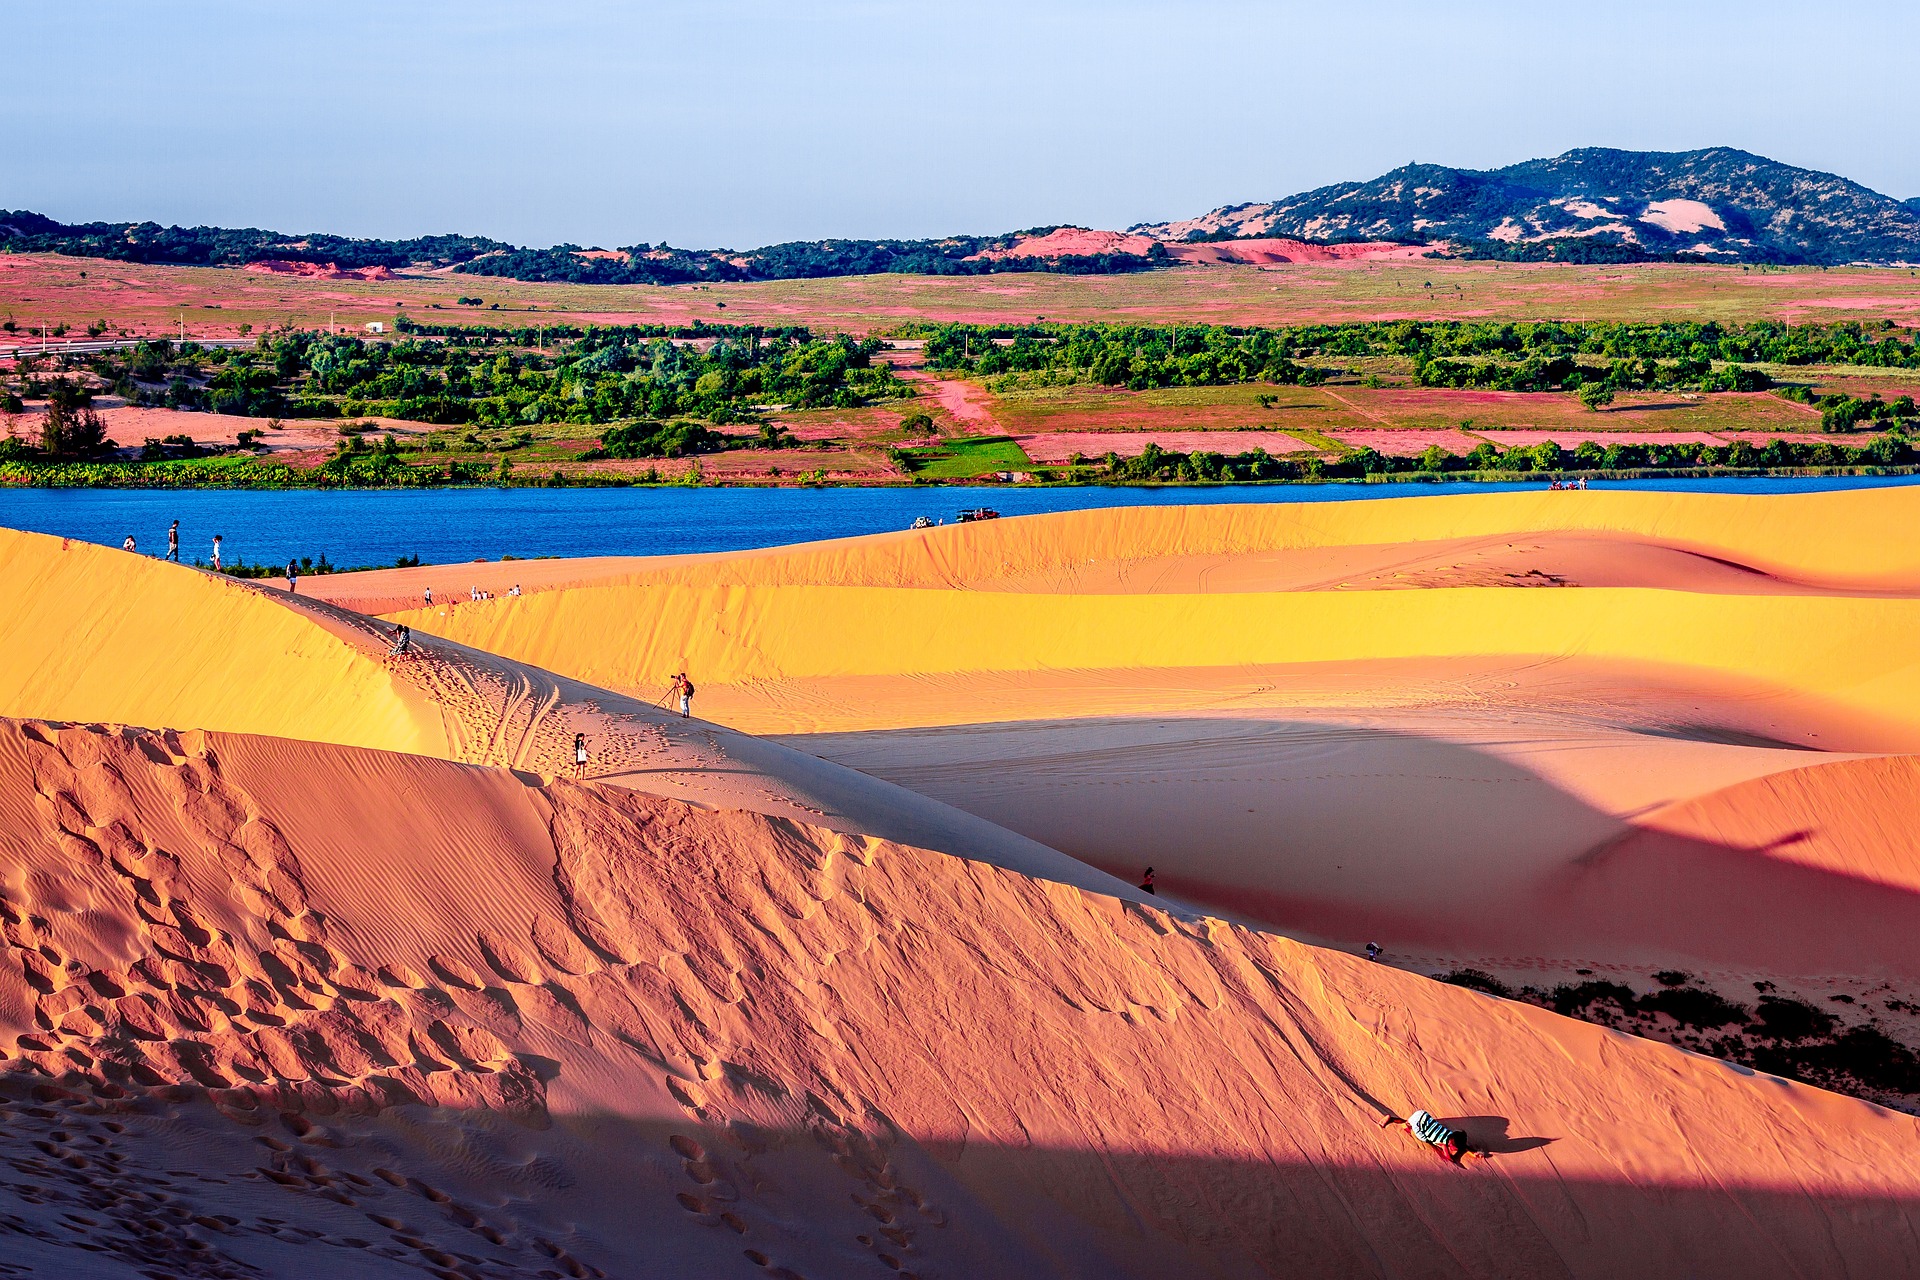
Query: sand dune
{"x": 98, "y": 635}
{"x": 331, "y": 970}
{"x": 1852, "y": 541}
{"x": 1340, "y": 719}
{"x": 323, "y": 1010}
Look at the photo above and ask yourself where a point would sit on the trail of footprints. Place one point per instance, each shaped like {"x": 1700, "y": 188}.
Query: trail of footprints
{"x": 278, "y": 1041}
{"x": 294, "y": 1022}
{"x": 62, "y": 1149}
{"x": 897, "y": 1210}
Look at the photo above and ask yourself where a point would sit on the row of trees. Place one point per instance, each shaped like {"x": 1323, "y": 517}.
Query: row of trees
{"x": 1457, "y": 353}
{"x": 596, "y": 376}
{"x": 1156, "y": 464}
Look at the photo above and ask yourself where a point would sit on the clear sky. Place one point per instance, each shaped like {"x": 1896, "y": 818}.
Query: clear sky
{"x": 744, "y": 122}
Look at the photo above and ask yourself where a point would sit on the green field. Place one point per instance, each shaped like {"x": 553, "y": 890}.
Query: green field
{"x": 965, "y": 457}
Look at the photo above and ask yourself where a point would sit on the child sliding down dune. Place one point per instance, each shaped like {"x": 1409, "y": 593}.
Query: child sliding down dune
{"x": 1450, "y": 1145}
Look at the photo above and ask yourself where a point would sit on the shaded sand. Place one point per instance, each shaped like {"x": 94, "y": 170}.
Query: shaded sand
{"x": 100, "y": 635}
{"x": 1340, "y": 719}
{"x": 322, "y": 1010}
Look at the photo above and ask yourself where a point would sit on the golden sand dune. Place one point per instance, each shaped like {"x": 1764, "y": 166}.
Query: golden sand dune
{"x": 318, "y": 1010}
{"x": 1852, "y": 541}
{"x": 1418, "y": 757}
{"x": 97, "y": 635}
{"x": 1721, "y": 544}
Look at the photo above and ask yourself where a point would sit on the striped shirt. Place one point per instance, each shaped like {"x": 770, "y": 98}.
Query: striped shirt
{"x": 1427, "y": 1129}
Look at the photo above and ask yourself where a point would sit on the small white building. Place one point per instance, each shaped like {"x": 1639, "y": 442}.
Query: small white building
{"x": 376, "y": 326}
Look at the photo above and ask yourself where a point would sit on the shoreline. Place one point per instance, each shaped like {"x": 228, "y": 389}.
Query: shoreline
{"x": 186, "y": 476}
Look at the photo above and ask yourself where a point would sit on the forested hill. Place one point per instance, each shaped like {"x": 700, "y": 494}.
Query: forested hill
{"x": 25, "y": 232}
{"x": 1596, "y": 204}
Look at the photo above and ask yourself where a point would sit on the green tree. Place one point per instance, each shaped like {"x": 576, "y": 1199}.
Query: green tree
{"x": 71, "y": 429}
{"x": 1596, "y": 394}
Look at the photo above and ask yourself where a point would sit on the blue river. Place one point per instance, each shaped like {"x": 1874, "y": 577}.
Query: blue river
{"x": 442, "y": 526}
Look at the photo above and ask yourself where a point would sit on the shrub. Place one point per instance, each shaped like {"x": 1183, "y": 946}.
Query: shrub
{"x": 1692, "y": 1007}
{"x": 1784, "y": 1018}
{"x": 1571, "y": 1000}
{"x": 1479, "y": 980}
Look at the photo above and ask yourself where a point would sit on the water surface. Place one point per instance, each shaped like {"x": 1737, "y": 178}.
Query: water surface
{"x": 375, "y": 526}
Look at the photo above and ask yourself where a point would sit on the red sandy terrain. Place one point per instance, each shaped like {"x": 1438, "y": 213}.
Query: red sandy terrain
{"x": 1271, "y": 252}
{"x": 1407, "y": 443}
{"x": 1058, "y": 446}
{"x": 317, "y": 270}
{"x": 128, "y": 428}
{"x": 286, "y": 994}
{"x": 214, "y": 301}
{"x": 1066, "y": 242}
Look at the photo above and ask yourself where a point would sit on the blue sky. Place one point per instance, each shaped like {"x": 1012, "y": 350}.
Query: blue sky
{"x": 743, "y": 122}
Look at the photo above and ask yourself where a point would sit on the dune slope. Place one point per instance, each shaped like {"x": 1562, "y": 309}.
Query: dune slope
{"x": 1343, "y": 719}
{"x": 1853, "y": 541}
{"x": 314, "y": 1009}
{"x": 97, "y": 635}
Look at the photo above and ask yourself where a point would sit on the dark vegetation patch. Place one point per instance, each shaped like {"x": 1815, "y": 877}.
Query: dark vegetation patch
{"x": 1781, "y": 1035}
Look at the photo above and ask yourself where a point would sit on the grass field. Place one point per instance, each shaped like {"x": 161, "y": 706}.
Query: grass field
{"x": 38, "y": 289}
{"x": 964, "y": 457}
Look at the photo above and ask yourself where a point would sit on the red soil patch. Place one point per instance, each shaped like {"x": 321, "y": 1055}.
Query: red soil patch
{"x": 966, "y": 403}
{"x": 317, "y": 270}
{"x": 1275, "y": 251}
{"x": 1407, "y": 443}
{"x": 1758, "y": 439}
{"x": 129, "y": 428}
{"x": 1574, "y": 439}
{"x": 1072, "y": 242}
{"x": 1058, "y": 446}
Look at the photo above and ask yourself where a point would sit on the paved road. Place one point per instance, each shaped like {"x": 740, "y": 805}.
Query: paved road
{"x": 94, "y": 346}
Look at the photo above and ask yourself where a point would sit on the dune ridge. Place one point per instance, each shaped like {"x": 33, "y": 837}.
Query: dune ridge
{"x": 98, "y": 635}
{"x": 682, "y": 1036}
{"x": 1850, "y": 540}
{"x": 1322, "y": 718}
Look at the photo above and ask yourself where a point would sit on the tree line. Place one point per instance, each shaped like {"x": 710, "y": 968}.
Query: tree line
{"x": 595, "y": 376}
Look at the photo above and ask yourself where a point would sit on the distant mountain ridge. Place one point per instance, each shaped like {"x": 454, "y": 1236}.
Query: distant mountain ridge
{"x": 1591, "y": 204}
{"x": 1718, "y": 203}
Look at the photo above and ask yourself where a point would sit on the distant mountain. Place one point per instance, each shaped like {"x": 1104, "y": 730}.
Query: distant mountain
{"x": 24, "y": 232}
{"x": 1594, "y": 203}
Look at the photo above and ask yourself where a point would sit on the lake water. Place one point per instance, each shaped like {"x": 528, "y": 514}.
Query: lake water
{"x": 375, "y": 526}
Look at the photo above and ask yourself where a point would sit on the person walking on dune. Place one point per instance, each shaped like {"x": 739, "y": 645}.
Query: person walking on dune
{"x": 579, "y": 755}
{"x": 429, "y": 597}
{"x": 293, "y": 576}
{"x": 1448, "y": 1144}
{"x": 402, "y": 640}
{"x": 1146, "y": 883}
{"x": 128, "y": 544}
{"x": 684, "y": 688}
{"x": 173, "y": 542}
{"x": 216, "y": 553}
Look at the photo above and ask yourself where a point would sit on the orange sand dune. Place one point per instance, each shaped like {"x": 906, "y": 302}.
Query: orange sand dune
{"x": 313, "y": 1010}
{"x": 1325, "y": 718}
{"x": 1848, "y": 541}
{"x": 1858, "y": 818}
{"x": 1508, "y": 833}
{"x": 99, "y": 635}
